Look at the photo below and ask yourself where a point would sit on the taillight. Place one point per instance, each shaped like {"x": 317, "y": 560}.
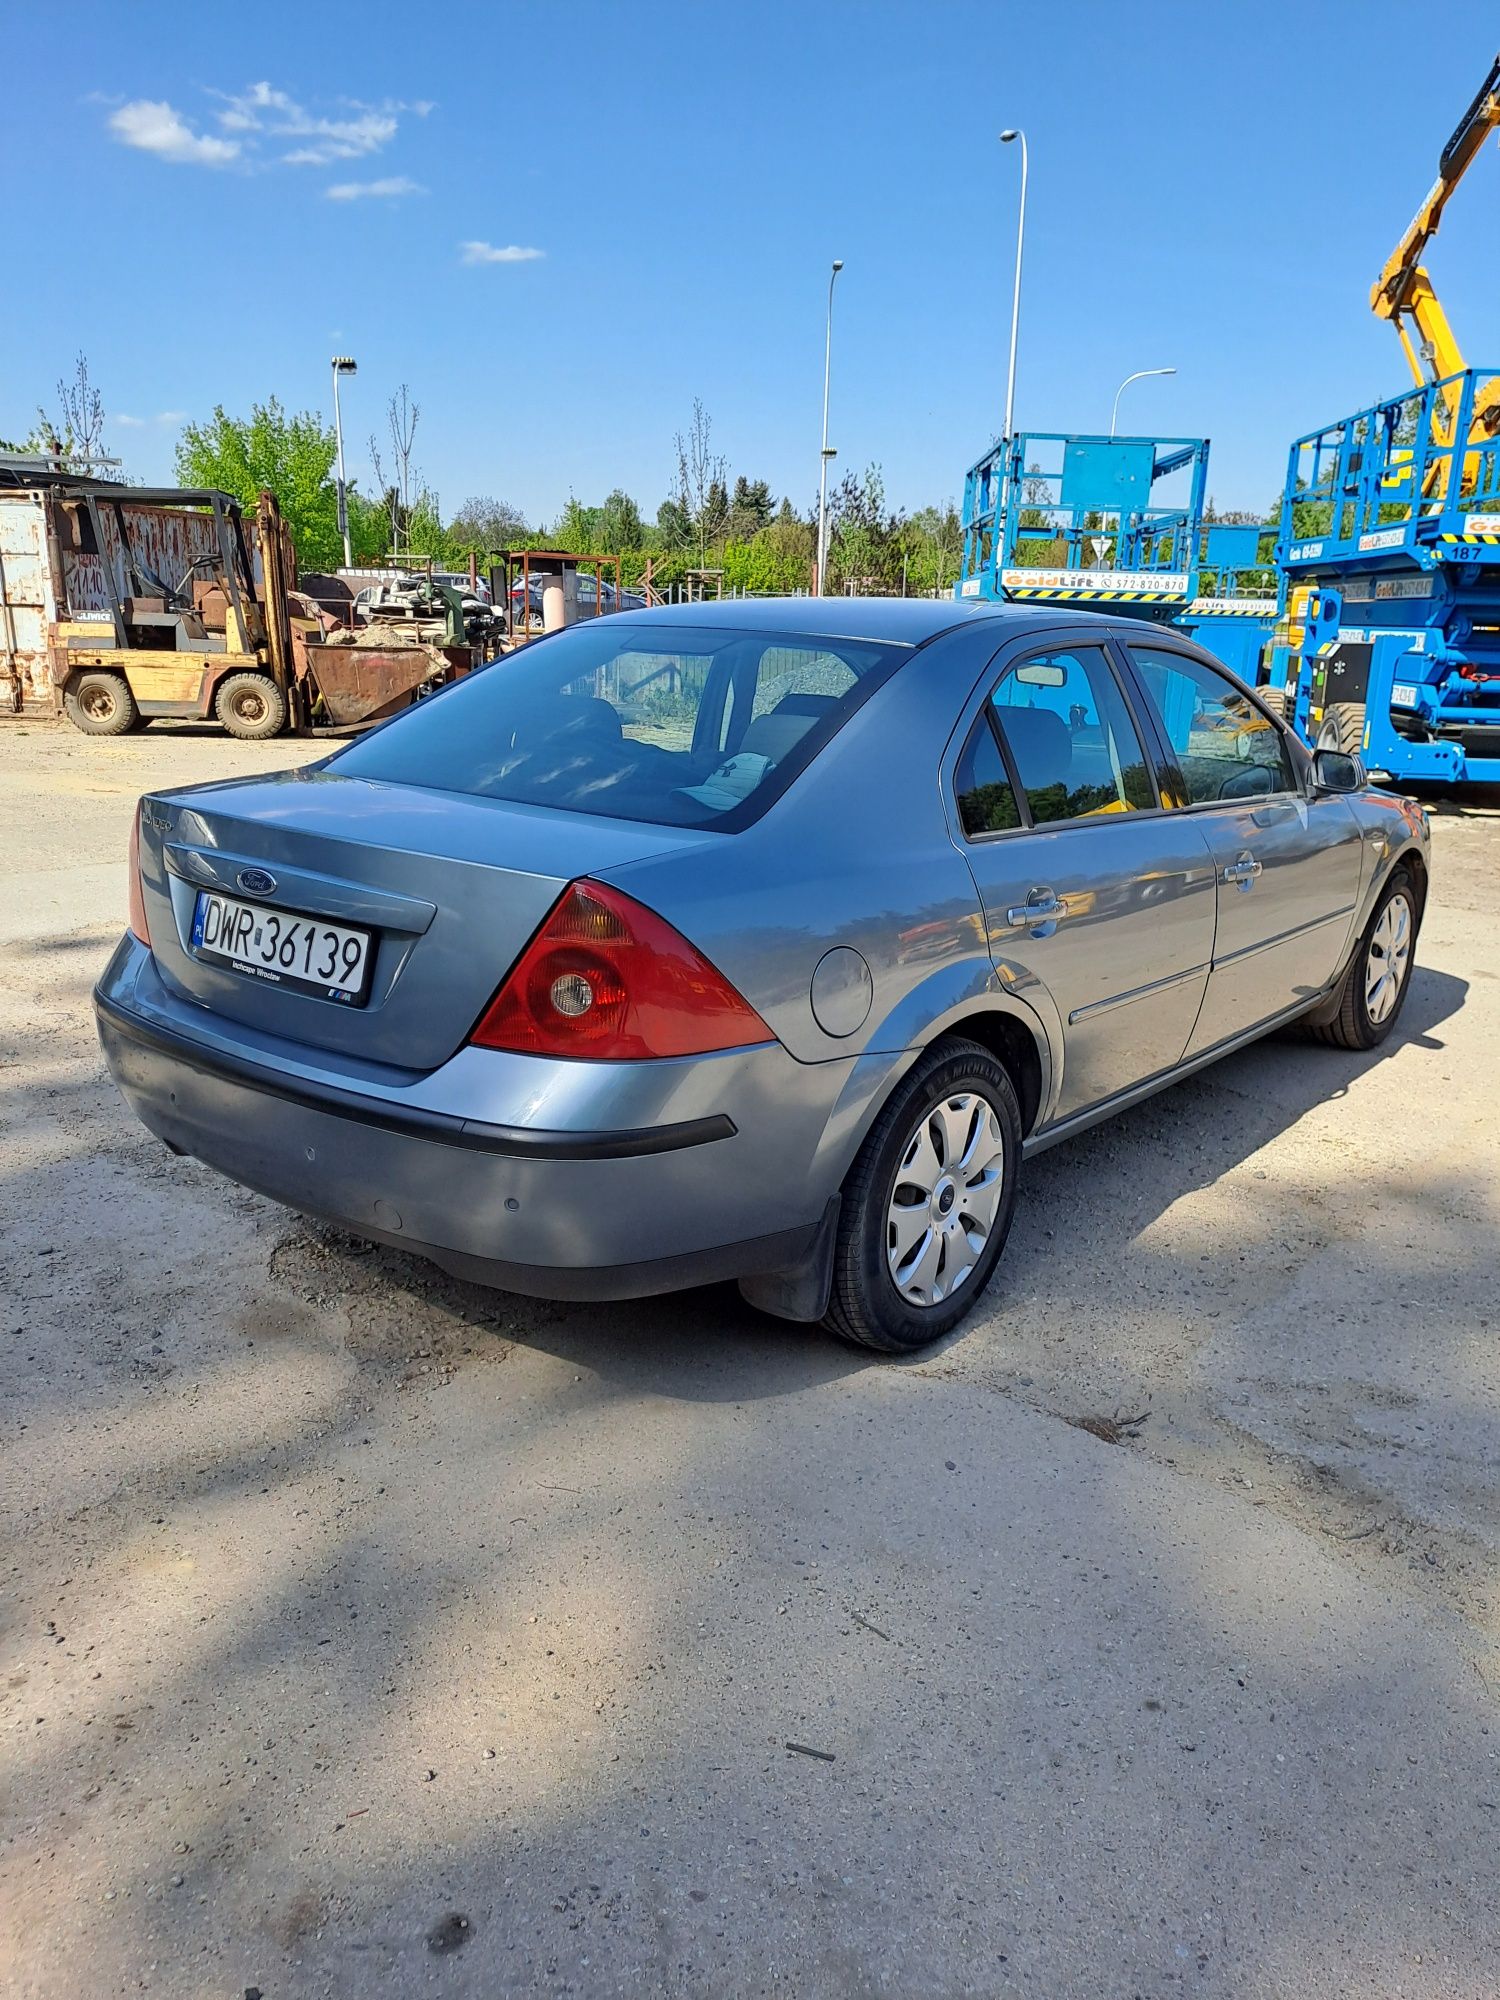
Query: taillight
{"x": 138, "y": 925}
{"x": 608, "y": 979}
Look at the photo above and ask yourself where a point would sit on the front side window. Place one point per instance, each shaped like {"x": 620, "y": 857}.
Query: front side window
{"x": 1071, "y": 738}
{"x": 677, "y": 725}
{"x": 1222, "y": 744}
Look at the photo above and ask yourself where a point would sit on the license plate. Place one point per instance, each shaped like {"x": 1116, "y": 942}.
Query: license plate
{"x": 306, "y": 954}
{"x": 1403, "y": 696}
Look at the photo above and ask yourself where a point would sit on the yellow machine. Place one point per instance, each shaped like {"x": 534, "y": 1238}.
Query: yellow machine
{"x": 172, "y": 603}
{"x": 1403, "y": 292}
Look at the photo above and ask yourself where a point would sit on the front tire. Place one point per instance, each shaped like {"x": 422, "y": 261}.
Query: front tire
{"x": 1375, "y": 986}
{"x": 251, "y": 706}
{"x": 101, "y": 704}
{"x": 928, "y": 1202}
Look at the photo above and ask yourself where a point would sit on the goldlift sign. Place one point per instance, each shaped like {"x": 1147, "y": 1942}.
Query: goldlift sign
{"x": 1096, "y": 582}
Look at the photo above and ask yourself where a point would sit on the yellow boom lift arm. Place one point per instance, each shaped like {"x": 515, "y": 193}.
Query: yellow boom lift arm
{"x": 1403, "y": 292}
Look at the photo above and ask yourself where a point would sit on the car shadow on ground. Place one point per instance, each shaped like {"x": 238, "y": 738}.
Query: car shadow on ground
{"x": 708, "y": 1345}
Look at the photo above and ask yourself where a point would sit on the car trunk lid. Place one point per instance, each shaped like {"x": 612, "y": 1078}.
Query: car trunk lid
{"x": 449, "y": 888}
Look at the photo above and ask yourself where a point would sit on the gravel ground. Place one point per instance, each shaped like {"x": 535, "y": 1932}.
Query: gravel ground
{"x": 368, "y": 1633}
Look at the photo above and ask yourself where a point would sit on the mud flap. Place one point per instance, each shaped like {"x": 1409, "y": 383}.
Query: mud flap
{"x": 802, "y": 1290}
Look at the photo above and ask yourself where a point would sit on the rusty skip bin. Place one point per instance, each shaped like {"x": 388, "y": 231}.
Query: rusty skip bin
{"x": 357, "y": 684}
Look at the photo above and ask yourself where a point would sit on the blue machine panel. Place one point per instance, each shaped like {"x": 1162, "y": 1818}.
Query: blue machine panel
{"x": 1231, "y": 547}
{"x": 1104, "y": 473}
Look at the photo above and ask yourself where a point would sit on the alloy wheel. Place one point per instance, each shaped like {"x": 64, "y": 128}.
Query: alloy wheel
{"x": 1387, "y": 960}
{"x": 944, "y": 1199}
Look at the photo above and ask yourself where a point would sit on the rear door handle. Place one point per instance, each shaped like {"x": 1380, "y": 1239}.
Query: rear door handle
{"x": 1042, "y": 906}
{"x": 1241, "y": 873}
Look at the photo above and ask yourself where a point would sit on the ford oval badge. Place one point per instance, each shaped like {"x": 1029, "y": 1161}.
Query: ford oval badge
{"x": 255, "y": 882}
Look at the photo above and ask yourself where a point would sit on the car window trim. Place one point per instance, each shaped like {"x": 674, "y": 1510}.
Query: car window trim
{"x": 1286, "y": 736}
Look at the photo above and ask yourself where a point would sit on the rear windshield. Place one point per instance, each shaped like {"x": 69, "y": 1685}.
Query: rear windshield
{"x": 665, "y": 723}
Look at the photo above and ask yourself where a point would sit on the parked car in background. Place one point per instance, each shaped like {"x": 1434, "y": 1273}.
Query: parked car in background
{"x": 591, "y": 598}
{"x": 754, "y": 941}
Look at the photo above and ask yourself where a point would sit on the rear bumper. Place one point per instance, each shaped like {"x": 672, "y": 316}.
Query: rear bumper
{"x": 730, "y": 1180}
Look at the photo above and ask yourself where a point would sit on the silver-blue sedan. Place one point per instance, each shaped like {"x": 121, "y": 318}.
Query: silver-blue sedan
{"x": 749, "y": 940}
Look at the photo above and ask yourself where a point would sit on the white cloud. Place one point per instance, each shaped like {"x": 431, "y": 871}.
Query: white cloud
{"x": 490, "y": 253}
{"x": 396, "y": 184}
{"x": 357, "y": 130}
{"x": 129, "y": 423}
{"x": 245, "y": 112}
{"x": 156, "y": 128}
{"x": 339, "y": 139}
{"x": 171, "y": 416}
{"x": 255, "y": 125}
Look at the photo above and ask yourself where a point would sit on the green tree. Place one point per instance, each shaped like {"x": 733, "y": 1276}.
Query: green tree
{"x": 577, "y": 527}
{"x": 865, "y": 542}
{"x": 934, "y": 543}
{"x": 487, "y": 526}
{"x": 619, "y": 526}
{"x": 425, "y": 534}
{"x": 674, "y": 526}
{"x": 292, "y": 456}
{"x": 749, "y": 508}
{"x": 369, "y": 528}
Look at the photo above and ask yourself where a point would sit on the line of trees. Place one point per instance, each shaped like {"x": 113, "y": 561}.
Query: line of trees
{"x": 710, "y": 521}
{"x": 730, "y": 525}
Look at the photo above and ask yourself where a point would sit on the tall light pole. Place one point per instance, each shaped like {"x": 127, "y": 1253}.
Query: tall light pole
{"x": 838, "y": 265}
{"x": 342, "y": 365}
{"x": 1139, "y": 376}
{"x": 1014, "y": 132}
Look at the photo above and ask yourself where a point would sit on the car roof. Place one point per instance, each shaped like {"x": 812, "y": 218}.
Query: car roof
{"x": 903, "y": 620}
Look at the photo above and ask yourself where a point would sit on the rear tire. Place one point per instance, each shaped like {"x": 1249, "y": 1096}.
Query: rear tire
{"x": 101, "y": 704}
{"x": 251, "y": 706}
{"x": 928, "y": 1202}
{"x": 1276, "y": 700}
{"x": 1343, "y": 728}
{"x": 1374, "y": 988}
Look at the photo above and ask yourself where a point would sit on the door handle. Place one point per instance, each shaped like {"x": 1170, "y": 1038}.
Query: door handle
{"x": 1042, "y": 906}
{"x": 1241, "y": 873}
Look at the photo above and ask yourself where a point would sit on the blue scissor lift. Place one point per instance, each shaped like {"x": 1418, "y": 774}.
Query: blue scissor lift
{"x": 1115, "y": 524}
{"x": 1390, "y": 553}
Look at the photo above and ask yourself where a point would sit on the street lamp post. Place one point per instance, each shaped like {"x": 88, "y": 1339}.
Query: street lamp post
{"x": 1014, "y": 132}
{"x": 838, "y": 265}
{"x": 342, "y": 365}
{"x": 1139, "y": 376}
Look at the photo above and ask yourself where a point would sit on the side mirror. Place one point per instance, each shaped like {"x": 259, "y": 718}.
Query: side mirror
{"x": 1333, "y": 771}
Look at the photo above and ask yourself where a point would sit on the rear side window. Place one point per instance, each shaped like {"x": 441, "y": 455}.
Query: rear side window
{"x": 986, "y": 801}
{"x": 1071, "y": 737}
{"x": 1222, "y": 744}
{"x": 674, "y": 724}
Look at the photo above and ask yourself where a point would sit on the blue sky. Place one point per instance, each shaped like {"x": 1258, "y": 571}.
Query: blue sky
{"x": 211, "y": 201}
